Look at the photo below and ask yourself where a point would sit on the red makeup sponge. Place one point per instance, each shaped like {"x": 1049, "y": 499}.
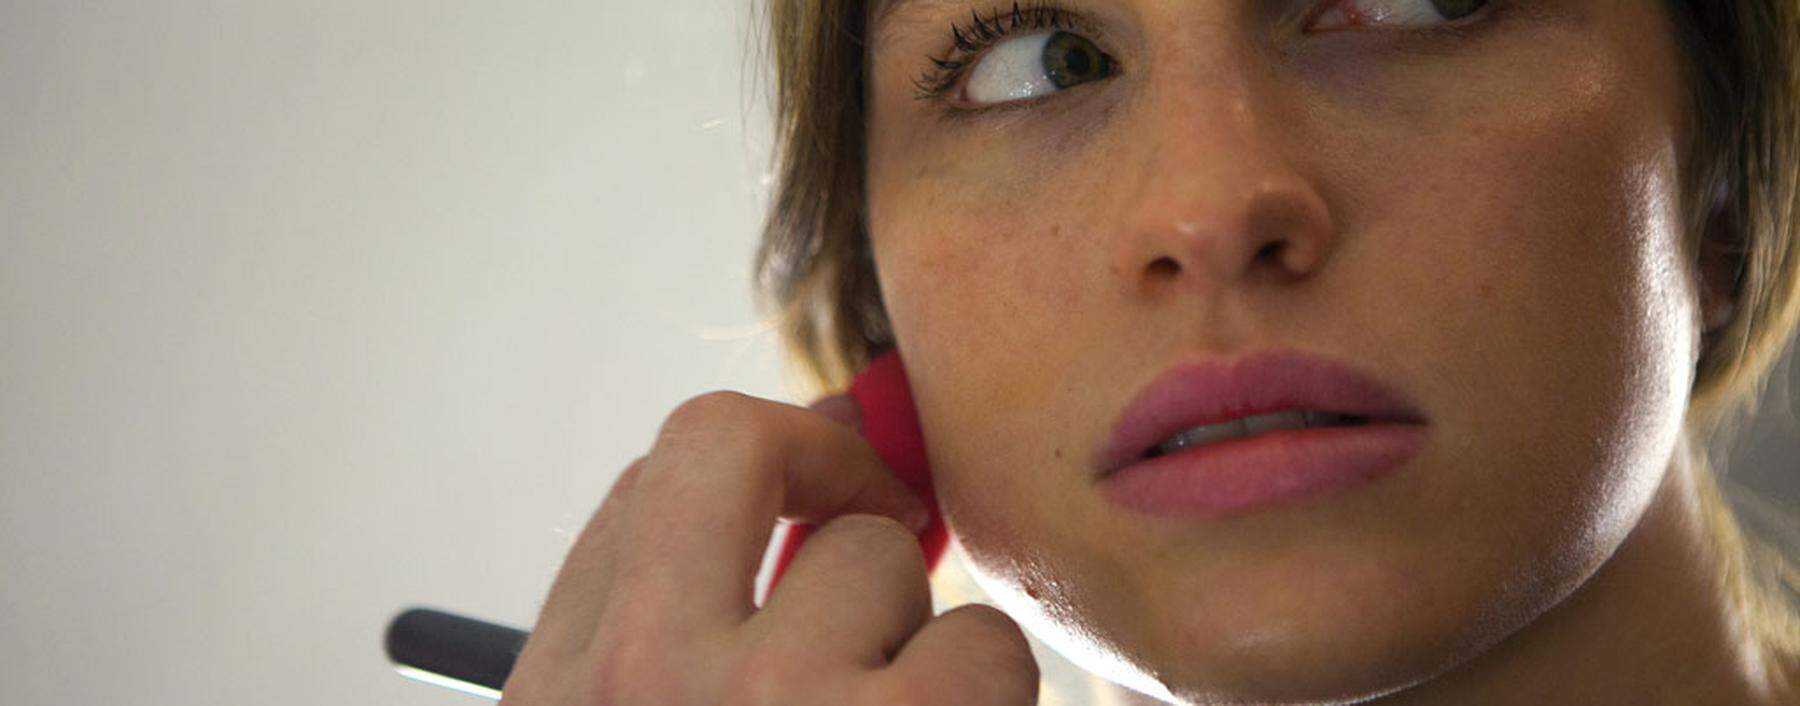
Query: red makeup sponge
{"x": 891, "y": 425}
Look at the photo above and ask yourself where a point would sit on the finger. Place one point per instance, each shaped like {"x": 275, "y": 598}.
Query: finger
{"x": 974, "y": 654}
{"x": 567, "y": 621}
{"x": 724, "y": 467}
{"x": 855, "y": 593}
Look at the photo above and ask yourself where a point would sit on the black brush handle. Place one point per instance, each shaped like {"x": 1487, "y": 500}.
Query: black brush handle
{"x": 453, "y": 650}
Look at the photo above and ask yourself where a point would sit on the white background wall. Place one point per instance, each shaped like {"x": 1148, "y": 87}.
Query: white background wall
{"x": 312, "y": 311}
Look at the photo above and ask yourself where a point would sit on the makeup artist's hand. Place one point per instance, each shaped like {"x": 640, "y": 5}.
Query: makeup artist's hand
{"x": 653, "y": 605}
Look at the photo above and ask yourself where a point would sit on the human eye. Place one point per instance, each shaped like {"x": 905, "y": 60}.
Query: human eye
{"x": 1402, "y": 14}
{"x": 1015, "y": 56}
{"x": 1019, "y": 55}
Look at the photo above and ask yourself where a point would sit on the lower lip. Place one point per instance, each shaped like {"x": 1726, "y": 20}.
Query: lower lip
{"x": 1263, "y": 471}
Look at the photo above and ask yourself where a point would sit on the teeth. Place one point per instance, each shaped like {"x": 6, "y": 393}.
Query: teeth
{"x": 1206, "y": 435}
{"x": 1248, "y": 426}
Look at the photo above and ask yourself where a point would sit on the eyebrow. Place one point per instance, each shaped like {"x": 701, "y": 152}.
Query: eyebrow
{"x": 882, "y": 8}
{"x": 882, "y": 12}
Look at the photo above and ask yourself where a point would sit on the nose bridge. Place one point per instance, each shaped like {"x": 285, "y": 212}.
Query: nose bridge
{"x": 1213, "y": 187}
{"x": 1198, "y": 101}
{"x": 1203, "y": 141}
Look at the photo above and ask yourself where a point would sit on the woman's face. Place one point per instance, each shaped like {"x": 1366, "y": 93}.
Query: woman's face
{"x": 1488, "y": 223}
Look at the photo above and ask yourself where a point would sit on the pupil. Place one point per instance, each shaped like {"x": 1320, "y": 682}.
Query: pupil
{"x": 1077, "y": 63}
{"x": 1069, "y": 59}
{"x": 1457, "y": 9}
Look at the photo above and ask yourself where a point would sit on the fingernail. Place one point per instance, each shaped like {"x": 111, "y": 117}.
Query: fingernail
{"x": 841, "y": 407}
{"x": 918, "y": 519}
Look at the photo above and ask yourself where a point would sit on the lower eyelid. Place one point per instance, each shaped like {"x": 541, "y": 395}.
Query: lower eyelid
{"x": 1046, "y": 106}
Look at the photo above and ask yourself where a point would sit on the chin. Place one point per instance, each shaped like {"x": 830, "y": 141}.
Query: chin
{"x": 1297, "y": 633}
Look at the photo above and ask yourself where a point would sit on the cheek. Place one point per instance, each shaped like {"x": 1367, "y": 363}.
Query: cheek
{"x": 983, "y": 307}
{"x": 979, "y": 263}
{"x": 1552, "y": 328}
{"x": 948, "y": 274}
{"x": 990, "y": 295}
{"x": 1576, "y": 227}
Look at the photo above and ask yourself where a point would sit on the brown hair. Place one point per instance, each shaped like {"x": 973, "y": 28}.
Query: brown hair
{"x": 816, "y": 276}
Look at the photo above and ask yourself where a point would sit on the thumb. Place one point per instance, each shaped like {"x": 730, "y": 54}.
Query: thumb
{"x": 910, "y": 508}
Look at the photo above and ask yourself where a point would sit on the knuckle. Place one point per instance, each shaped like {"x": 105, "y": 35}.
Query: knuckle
{"x": 899, "y": 692}
{"x": 705, "y": 411}
{"x": 722, "y": 418}
{"x": 621, "y": 662}
{"x": 612, "y": 506}
{"x": 870, "y": 535}
{"x": 764, "y": 677}
{"x": 872, "y": 551}
{"x": 628, "y": 477}
{"x": 998, "y": 648}
{"x": 989, "y": 618}
{"x": 635, "y": 661}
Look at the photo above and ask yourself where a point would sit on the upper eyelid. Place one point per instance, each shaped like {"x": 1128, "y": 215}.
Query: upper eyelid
{"x": 952, "y": 63}
{"x": 945, "y": 47}
{"x": 1295, "y": 20}
{"x": 956, "y": 62}
{"x": 926, "y": 17}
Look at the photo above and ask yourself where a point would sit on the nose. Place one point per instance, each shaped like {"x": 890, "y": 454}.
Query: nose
{"x": 1214, "y": 200}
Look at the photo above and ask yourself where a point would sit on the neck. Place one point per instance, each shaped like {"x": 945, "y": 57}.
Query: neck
{"x": 1652, "y": 626}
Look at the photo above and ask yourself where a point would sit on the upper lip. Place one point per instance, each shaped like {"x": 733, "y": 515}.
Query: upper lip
{"x": 1198, "y": 393}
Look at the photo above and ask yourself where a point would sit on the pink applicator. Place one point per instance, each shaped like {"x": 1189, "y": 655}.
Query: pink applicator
{"x": 890, "y": 423}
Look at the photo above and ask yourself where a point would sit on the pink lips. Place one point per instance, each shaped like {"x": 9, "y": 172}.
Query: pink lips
{"x": 1264, "y": 468}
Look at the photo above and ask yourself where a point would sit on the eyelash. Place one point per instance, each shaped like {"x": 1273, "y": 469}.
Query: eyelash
{"x": 971, "y": 39}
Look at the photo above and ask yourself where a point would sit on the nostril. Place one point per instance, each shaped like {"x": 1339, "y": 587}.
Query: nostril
{"x": 1271, "y": 250}
{"x": 1164, "y": 266}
